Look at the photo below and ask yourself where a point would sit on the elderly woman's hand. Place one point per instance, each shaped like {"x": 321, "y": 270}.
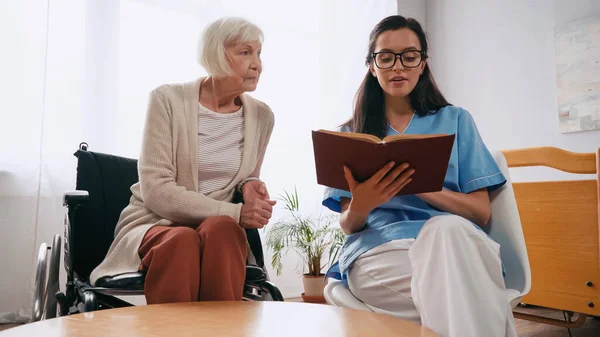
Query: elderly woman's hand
{"x": 256, "y": 213}
{"x": 258, "y": 207}
{"x": 255, "y": 189}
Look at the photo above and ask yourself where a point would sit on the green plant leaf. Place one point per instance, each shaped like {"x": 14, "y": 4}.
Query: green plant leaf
{"x": 311, "y": 237}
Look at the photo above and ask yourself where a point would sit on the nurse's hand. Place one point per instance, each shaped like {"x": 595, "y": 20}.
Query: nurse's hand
{"x": 378, "y": 189}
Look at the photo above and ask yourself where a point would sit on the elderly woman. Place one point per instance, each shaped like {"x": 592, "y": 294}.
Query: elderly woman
{"x": 203, "y": 141}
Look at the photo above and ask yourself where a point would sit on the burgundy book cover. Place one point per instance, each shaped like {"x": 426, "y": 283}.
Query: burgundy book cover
{"x": 428, "y": 156}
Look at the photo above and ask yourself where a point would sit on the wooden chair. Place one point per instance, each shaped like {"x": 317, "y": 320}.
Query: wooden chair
{"x": 561, "y": 227}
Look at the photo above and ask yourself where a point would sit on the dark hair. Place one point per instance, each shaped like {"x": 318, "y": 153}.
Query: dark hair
{"x": 369, "y": 105}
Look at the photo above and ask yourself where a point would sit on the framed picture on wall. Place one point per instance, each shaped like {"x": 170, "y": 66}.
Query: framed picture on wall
{"x": 577, "y": 48}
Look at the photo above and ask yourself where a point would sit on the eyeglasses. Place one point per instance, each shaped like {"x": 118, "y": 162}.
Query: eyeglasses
{"x": 408, "y": 58}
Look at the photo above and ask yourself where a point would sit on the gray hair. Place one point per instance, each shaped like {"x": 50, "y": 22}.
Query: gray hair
{"x": 214, "y": 38}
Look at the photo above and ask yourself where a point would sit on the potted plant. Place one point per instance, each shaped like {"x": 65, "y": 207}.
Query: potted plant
{"x": 312, "y": 238}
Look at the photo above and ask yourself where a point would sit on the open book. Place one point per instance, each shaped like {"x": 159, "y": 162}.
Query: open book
{"x": 365, "y": 154}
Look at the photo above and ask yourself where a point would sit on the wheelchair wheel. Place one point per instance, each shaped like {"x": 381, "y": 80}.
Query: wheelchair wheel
{"x": 39, "y": 291}
{"x": 52, "y": 287}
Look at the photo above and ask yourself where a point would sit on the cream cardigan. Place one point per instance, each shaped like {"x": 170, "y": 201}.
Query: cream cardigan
{"x": 167, "y": 192}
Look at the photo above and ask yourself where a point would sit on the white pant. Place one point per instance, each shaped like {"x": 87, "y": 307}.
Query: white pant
{"x": 449, "y": 280}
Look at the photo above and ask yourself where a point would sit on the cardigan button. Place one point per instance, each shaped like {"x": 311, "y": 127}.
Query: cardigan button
{"x": 591, "y": 304}
{"x": 589, "y": 283}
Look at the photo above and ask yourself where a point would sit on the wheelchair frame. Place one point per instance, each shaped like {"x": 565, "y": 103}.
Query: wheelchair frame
{"x": 79, "y": 295}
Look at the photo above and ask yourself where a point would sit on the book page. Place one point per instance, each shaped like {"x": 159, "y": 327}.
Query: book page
{"x": 359, "y": 136}
{"x": 397, "y": 137}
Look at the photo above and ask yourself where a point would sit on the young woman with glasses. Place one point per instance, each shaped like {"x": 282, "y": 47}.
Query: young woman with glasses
{"x": 420, "y": 257}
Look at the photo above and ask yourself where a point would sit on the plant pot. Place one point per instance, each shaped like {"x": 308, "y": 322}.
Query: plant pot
{"x": 313, "y": 299}
{"x": 313, "y": 288}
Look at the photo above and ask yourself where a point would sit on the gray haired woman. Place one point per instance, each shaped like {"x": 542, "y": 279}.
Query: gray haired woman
{"x": 202, "y": 141}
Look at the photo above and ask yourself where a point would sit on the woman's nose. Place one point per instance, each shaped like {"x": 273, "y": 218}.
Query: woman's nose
{"x": 398, "y": 65}
{"x": 256, "y": 64}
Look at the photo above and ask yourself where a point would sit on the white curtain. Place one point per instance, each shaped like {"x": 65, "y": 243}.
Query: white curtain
{"x": 74, "y": 71}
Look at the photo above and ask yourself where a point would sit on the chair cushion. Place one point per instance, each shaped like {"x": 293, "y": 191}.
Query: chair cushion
{"x": 125, "y": 281}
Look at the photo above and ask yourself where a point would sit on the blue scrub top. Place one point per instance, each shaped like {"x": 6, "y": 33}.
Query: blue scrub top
{"x": 471, "y": 167}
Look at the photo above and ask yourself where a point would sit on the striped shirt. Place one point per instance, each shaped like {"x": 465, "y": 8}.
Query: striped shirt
{"x": 220, "y": 148}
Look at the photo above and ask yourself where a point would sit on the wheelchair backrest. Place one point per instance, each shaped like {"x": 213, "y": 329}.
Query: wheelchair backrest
{"x": 108, "y": 180}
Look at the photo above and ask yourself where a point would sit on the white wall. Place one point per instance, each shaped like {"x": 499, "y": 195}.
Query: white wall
{"x": 23, "y": 37}
{"x": 416, "y": 9}
{"x": 73, "y": 70}
{"x": 502, "y": 72}
{"x": 326, "y": 102}
{"x": 496, "y": 59}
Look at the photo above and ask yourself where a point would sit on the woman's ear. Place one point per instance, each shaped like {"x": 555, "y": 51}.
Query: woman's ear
{"x": 372, "y": 70}
{"x": 423, "y": 64}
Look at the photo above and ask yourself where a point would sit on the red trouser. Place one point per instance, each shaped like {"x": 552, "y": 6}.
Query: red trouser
{"x": 186, "y": 265}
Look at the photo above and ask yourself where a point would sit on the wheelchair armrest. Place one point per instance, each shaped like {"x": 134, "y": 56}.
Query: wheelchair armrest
{"x": 125, "y": 281}
{"x": 254, "y": 274}
{"x": 74, "y": 199}
{"x": 238, "y": 198}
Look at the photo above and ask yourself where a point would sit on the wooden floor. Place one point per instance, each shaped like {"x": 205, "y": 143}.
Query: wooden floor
{"x": 591, "y": 328}
{"x": 7, "y": 326}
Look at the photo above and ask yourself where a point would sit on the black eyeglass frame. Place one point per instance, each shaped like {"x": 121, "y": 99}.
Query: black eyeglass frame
{"x": 399, "y": 55}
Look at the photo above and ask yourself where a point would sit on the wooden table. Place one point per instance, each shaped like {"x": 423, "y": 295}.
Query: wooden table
{"x": 224, "y": 319}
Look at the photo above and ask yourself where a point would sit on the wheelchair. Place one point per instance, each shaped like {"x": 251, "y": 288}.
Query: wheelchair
{"x": 92, "y": 211}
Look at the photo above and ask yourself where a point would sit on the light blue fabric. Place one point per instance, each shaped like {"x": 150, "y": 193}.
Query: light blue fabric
{"x": 471, "y": 167}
